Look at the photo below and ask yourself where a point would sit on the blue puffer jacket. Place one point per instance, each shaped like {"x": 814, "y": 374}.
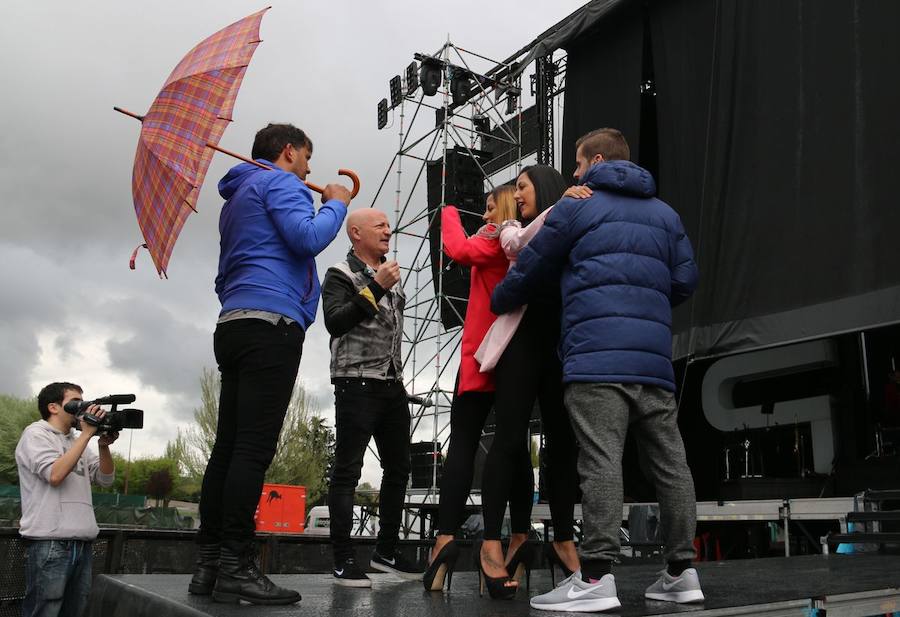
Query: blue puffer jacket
{"x": 271, "y": 234}
{"x": 624, "y": 261}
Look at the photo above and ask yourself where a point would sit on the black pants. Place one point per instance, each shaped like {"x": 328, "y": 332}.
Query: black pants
{"x": 530, "y": 370}
{"x": 368, "y": 408}
{"x": 467, "y": 415}
{"x": 258, "y": 362}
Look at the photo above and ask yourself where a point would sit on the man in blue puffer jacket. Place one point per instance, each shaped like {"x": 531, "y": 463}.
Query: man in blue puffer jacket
{"x": 623, "y": 261}
{"x": 269, "y": 290}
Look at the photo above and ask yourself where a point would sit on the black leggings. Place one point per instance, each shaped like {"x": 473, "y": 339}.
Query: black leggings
{"x": 467, "y": 415}
{"x": 530, "y": 371}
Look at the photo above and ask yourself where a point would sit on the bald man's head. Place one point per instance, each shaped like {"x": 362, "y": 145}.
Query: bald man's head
{"x": 369, "y": 233}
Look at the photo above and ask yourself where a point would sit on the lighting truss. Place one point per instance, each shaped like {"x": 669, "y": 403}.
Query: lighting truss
{"x": 477, "y": 108}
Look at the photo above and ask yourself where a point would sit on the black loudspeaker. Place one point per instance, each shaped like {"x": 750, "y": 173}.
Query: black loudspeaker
{"x": 425, "y": 456}
{"x": 464, "y": 188}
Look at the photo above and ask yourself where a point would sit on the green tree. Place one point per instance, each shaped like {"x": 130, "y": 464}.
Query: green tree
{"x": 366, "y": 495}
{"x": 15, "y": 415}
{"x": 305, "y": 446}
{"x": 159, "y": 486}
{"x": 139, "y": 472}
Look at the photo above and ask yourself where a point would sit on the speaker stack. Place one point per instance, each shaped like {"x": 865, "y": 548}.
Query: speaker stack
{"x": 464, "y": 188}
{"x": 424, "y": 457}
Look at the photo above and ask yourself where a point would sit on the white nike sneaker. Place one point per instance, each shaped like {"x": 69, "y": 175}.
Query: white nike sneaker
{"x": 573, "y": 594}
{"x": 683, "y": 589}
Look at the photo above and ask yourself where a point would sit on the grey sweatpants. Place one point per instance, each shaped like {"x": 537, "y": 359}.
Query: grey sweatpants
{"x": 602, "y": 414}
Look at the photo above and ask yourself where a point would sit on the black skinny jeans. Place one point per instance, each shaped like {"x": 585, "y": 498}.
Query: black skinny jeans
{"x": 258, "y": 362}
{"x": 530, "y": 370}
{"x": 368, "y": 408}
{"x": 468, "y": 412}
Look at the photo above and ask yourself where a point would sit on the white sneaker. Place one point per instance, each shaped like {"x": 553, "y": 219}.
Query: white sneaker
{"x": 684, "y": 588}
{"x": 573, "y": 594}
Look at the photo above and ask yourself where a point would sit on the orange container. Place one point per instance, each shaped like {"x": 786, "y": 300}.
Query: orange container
{"x": 281, "y": 509}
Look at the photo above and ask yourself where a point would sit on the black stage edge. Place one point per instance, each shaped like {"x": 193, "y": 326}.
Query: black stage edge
{"x": 862, "y": 584}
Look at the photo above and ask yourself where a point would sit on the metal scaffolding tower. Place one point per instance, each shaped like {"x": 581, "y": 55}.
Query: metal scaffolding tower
{"x": 479, "y": 115}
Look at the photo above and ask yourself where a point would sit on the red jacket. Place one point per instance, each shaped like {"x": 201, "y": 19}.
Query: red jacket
{"x": 489, "y": 265}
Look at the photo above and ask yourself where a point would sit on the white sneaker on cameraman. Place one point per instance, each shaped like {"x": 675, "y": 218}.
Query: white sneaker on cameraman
{"x": 575, "y": 595}
{"x": 682, "y": 589}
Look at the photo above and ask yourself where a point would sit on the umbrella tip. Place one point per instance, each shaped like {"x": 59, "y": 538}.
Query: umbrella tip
{"x": 128, "y": 113}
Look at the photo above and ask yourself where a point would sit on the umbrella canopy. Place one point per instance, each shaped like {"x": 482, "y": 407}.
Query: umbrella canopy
{"x": 192, "y": 110}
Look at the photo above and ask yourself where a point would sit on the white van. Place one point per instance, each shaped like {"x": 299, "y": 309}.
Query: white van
{"x": 318, "y": 522}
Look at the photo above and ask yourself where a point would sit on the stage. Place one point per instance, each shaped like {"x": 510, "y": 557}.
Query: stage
{"x": 857, "y": 585}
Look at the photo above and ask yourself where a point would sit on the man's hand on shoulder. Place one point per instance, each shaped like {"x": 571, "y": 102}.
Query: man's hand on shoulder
{"x": 336, "y": 191}
{"x": 578, "y": 192}
{"x": 388, "y": 274}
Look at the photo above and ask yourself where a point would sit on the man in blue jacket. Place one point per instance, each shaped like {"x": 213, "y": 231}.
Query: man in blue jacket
{"x": 623, "y": 261}
{"x": 269, "y": 290}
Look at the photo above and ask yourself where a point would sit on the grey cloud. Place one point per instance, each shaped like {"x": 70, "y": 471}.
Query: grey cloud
{"x": 161, "y": 349}
{"x": 34, "y": 294}
{"x": 67, "y": 224}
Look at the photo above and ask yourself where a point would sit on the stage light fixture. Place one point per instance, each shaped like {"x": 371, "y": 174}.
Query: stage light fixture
{"x": 430, "y": 76}
{"x": 382, "y": 113}
{"x": 412, "y": 78}
{"x": 482, "y": 124}
{"x": 512, "y": 101}
{"x": 396, "y": 93}
{"x": 460, "y": 86}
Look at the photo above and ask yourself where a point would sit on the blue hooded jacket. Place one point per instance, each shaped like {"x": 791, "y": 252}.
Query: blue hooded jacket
{"x": 270, "y": 236}
{"x": 624, "y": 261}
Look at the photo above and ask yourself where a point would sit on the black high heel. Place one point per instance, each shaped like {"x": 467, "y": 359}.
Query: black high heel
{"x": 521, "y": 562}
{"x": 553, "y": 559}
{"x": 497, "y": 587}
{"x": 441, "y": 568}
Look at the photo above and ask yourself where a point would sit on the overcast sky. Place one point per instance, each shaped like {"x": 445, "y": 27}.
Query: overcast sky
{"x": 71, "y": 309}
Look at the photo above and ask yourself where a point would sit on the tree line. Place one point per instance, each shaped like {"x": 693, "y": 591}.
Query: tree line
{"x": 304, "y": 456}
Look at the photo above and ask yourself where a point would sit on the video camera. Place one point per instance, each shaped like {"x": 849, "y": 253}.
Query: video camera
{"x": 115, "y": 419}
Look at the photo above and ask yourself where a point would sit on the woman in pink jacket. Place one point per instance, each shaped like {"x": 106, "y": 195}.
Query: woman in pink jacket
{"x": 528, "y": 371}
{"x": 474, "y": 395}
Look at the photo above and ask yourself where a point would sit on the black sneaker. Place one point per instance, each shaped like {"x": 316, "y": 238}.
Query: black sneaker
{"x": 397, "y": 565}
{"x": 349, "y": 574}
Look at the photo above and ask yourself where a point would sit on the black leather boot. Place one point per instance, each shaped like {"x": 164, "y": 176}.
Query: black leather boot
{"x": 241, "y": 579}
{"x": 205, "y": 570}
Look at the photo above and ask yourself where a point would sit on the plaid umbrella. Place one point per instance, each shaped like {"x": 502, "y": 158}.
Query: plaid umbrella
{"x": 192, "y": 110}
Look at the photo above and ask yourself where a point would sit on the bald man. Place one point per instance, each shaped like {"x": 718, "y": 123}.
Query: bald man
{"x": 363, "y": 305}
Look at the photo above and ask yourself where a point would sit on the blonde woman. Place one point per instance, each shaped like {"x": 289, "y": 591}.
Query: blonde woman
{"x": 474, "y": 394}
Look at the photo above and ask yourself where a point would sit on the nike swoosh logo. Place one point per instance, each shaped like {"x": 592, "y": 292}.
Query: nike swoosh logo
{"x": 668, "y": 586}
{"x": 573, "y": 593}
{"x": 339, "y": 572}
{"x": 390, "y": 561}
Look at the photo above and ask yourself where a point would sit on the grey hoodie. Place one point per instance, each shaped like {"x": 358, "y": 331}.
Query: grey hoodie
{"x": 65, "y": 511}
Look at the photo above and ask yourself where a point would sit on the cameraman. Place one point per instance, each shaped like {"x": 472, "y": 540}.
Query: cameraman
{"x": 56, "y": 469}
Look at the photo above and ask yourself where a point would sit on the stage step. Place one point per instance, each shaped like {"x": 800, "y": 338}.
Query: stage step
{"x": 865, "y": 517}
{"x": 881, "y": 494}
{"x": 892, "y": 537}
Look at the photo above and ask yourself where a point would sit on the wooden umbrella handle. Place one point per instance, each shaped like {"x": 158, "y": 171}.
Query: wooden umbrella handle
{"x": 341, "y": 172}
{"x": 315, "y": 187}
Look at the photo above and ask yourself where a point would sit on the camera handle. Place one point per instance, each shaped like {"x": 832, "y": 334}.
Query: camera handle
{"x": 90, "y": 419}
{"x": 94, "y": 420}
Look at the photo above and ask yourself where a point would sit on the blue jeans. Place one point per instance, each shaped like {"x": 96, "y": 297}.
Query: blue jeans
{"x": 57, "y": 578}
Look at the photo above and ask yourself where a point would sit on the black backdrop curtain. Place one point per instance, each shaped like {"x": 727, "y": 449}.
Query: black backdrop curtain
{"x": 776, "y": 130}
{"x": 607, "y": 61}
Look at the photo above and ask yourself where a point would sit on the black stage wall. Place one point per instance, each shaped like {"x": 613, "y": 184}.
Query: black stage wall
{"x": 773, "y": 137}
